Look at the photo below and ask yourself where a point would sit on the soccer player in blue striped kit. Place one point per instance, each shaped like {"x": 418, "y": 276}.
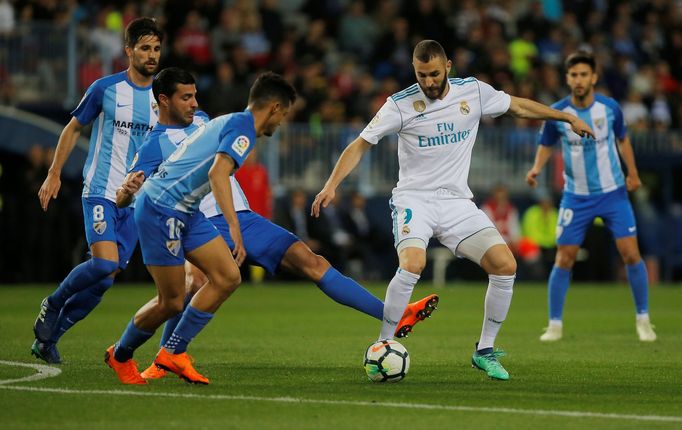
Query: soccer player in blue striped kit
{"x": 124, "y": 111}
{"x": 267, "y": 245}
{"x": 594, "y": 187}
{"x": 171, "y": 228}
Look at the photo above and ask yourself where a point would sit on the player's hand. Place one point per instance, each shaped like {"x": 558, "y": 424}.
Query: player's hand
{"x": 632, "y": 182}
{"x": 323, "y": 198}
{"x": 133, "y": 182}
{"x": 581, "y": 128}
{"x": 49, "y": 189}
{"x": 531, "y": 177}
{"x": 238, "y": 252}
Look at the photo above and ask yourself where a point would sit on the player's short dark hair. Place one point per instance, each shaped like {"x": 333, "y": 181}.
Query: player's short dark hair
{"x": 428, "y": 49}
{"x": 579, "y": 57}
{"x": 269, "y": 86}
{"x": 139, "y": 28}
{"x": 167, "y": 80}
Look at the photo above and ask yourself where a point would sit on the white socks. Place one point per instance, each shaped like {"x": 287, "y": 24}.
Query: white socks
{"x": 398, "y": 296}
{"x": 497, "y": 302}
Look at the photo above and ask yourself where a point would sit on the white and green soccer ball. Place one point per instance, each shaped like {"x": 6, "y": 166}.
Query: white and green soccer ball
{"x": 386, "y": 361}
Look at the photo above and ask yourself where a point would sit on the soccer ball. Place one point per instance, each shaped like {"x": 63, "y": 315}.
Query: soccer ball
{"x": 386, "y": 361}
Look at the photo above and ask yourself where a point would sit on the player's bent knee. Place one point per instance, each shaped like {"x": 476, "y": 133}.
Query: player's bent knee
{"x": 565, "y": 260}
{"x": 103, "y": 268}
{"x": 317, "y": 267}
{"x": 507, "y": 267}
{"x": 170, "y": 308}
{"x": 415, "y": 266}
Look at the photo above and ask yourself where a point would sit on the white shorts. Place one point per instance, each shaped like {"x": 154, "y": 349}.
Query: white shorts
{"x": 436, "y": 214}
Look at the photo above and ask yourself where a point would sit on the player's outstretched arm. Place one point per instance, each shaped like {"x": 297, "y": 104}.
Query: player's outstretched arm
{"x": 632, "y": 181}
{"x": 542, "y": 154}
{"x": 219, "y": 178}
{"x": 131, "y": 185}
{"x": 350, "y": 158}
{"x": 52, "y": 183}
{"x": 529, "y": 109}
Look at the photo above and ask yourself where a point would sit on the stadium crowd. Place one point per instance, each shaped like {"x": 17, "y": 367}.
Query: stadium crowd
{"x": 344, "y": 57}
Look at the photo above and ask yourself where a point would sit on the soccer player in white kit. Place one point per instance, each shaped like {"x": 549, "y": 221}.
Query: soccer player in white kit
{"x": 437, "y": 120}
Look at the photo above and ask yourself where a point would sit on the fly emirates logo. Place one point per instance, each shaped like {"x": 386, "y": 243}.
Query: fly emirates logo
{"x": 446, "y": 135}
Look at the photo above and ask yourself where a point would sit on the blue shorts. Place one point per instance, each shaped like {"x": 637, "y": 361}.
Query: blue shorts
{"x": 167, "y": 234}
{"x": 106, "y": 222}
{"x": 576, "y": 214}
{"x": 265, "y": 242}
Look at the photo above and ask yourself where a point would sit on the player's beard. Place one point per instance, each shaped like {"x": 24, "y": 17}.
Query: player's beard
{"x": 429, "y": 91}
{"x": 582, "y": 93}
{"x": 144, "y": 71}
{"x": 177, "y": 117}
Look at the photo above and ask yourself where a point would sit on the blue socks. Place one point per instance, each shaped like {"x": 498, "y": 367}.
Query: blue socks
{"x": 80, "y": 278}
{"x": 79, "y": 306}
{"x": 169, "y": 328}
{"x": 192, "y": 322}
{"x": 132, "y": 338}
{"x": 558, "y": 285}
{"x": 346, "y": 291}
{"x": 639, "y": 284}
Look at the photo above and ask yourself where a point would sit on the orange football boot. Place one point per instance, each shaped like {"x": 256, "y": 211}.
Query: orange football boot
{"x": 126, "y": 371}
{"x": 415, "y": 312}
{"x": 153, "y": 372}
{"x": 181, "y": 365}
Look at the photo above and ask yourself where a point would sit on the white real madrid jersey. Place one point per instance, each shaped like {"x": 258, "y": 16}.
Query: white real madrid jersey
{"x": 436, "y": 137}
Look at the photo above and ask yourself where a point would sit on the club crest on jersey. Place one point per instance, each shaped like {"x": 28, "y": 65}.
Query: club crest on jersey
{"x": 100, "y": 227}
{"x": 464, "y": 108}
{"x": 419, "y": 106}
{"x": 155, "y": 107}
{"x": 599, "y": 122}
{"x": 406, "y": 230}
{"x": 173, "y": 246}
{"x": 240, "y": 145}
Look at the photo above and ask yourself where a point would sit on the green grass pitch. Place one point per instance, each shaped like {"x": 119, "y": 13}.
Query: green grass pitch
{"x": 283, "y": 356}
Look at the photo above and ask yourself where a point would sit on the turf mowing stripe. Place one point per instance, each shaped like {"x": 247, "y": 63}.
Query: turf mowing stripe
{"x": 43, "y": 372}
{"x": 572, "y": 414}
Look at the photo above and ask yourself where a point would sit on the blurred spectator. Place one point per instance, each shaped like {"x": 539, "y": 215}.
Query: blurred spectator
{"x": 635, "y": 112}
{"x": 253, "y": 178}
{"x": 522, "y": 51}
{"x": 504, "y": 215}
{"x": 89, "y": 72}
{"x": 195, "y": 41}
{"x": 108, "y": 42}
{"x": 272, "y": 22}
{"x": 7, "y": 21}
{"x": 535, "y": 21}
{"x": 253, "y": 40}
{"x": 226, "y": 35}
{"x": 225, "y": 95}
{"x": 295, "y": 217}
{"x": 538, "y": 226}
{"x": 330, "y": 233}
{"x": 356, "y": 31}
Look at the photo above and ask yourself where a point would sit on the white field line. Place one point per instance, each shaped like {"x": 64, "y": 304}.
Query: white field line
{"x": 48, "y": 371}
{"x": 43, "y": 372}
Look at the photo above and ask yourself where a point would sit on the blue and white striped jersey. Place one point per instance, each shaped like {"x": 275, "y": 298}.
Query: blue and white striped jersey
{"x": 162, "y": 142}
{"x": 181, "y": 181}
{"x": 591, "y": 166}
{"x": 124, "y": 114}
